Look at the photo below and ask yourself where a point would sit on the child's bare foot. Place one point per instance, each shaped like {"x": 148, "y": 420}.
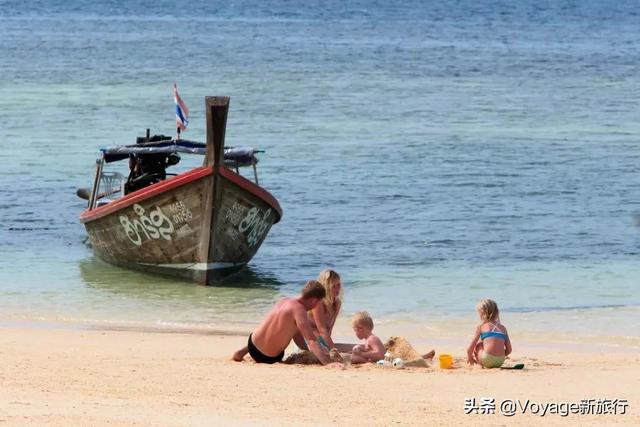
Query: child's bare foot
{"x": 429, "y": 355}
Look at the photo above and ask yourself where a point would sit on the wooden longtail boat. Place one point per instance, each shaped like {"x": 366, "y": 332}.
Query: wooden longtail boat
{"x": 200, "y": 225}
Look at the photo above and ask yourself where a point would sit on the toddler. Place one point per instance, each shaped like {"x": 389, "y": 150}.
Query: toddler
{"x": 372, "y": 350}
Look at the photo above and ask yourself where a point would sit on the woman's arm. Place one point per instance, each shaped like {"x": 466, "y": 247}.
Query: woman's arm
{"x": 332, "y": 321}
{"x": 319, "y": 314}
{"x": 304, "y": 326}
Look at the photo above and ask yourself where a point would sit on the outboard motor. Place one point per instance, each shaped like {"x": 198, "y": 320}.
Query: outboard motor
{"x": 148, "y": 169}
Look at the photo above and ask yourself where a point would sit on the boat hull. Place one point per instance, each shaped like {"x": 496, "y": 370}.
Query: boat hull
{"x": 201, "y": 225}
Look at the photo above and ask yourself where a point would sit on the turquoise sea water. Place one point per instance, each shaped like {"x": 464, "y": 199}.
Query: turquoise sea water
{"x": 432, "y": 153}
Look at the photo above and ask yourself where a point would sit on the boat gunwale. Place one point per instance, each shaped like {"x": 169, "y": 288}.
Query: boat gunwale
{"x": 175, "y": 182}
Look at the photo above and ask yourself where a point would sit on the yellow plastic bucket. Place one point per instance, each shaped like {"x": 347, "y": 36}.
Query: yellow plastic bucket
{"x": 446, "y": 361}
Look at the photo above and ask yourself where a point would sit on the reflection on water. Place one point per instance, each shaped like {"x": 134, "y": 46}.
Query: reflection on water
{"x": 146, "y": 298}
{"x": 97, "y": 272}
{"x": 251, "y": 277}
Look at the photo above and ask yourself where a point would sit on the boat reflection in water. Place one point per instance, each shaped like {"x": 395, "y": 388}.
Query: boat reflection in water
{"x": 128, "y": 299}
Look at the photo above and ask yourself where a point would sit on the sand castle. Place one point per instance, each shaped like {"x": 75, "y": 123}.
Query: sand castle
{"x": 400, "y": 347}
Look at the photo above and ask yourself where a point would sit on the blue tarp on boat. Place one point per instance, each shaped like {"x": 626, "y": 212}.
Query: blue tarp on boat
{"x": 233, "y": 156}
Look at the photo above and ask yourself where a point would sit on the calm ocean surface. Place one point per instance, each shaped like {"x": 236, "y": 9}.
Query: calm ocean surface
{"x": 434, "y": 154}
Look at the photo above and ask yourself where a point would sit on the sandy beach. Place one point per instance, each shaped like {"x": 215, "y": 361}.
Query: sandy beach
{"x": 64, "y": 377}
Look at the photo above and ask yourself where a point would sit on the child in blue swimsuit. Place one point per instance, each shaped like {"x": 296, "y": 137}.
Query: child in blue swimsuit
{"x": 490, "y": 344}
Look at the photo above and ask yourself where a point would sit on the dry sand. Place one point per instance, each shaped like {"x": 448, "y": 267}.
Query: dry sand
{"x": 123, "y": 378}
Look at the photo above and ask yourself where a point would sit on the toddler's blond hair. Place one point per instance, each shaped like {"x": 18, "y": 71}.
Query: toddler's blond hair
{"x": 488, "y": 310}
{"x": 362, "y": 318}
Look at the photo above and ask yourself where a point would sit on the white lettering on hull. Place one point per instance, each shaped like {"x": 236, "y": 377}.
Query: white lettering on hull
{"x": 152, "y": 226}
{"x": 252, "y": 223}
{"x": 180, "y": 213}
{"x": 256, "y": 223}
{"x": 234, "y": 214}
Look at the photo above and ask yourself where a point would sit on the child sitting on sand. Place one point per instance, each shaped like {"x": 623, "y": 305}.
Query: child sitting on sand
{"x": 490, "y": 344}
{"x": 372, "y": 350}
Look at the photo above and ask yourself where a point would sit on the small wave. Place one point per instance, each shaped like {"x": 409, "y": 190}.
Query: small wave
{"x": 236, "y": 329}
{"x": 476, "y": 185}
{"x": 566, "y": 308}
{"x": 443, "y": 242}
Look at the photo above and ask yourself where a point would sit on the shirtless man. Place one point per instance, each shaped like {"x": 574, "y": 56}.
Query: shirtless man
{"x": 288, "y": 317}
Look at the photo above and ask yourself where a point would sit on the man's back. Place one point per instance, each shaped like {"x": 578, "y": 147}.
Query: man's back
{"x": 278, "y": 328}
{"x": 287, "y": 318}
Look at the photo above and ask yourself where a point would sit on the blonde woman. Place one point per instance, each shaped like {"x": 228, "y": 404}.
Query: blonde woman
{"x": 323, "y": 316}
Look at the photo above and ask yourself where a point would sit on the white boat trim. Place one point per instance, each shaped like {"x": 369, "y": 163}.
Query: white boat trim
{"x": 197, "y": 266}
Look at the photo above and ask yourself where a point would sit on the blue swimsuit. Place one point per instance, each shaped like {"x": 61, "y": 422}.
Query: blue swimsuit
{"x": 493, "y": 333}
{"x": 490, "y": 360}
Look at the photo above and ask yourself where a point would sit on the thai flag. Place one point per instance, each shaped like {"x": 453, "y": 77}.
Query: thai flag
{"x": 182, "y": 112}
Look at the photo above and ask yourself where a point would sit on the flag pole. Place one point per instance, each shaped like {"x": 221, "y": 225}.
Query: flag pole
{"x": 182, "y": 112}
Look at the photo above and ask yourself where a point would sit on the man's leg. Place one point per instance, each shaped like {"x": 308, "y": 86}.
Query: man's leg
{"x": 356, "y": 359}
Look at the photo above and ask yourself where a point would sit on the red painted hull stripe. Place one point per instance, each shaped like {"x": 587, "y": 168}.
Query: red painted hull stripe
{"x": 251, "y": 187}
{"x": 145, "y": 193}
{"x": 178, "y": 181}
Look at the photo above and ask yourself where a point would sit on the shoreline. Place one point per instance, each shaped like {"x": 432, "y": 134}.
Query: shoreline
{"x": 94, "y": 377}
{"x": 592, "y": 344}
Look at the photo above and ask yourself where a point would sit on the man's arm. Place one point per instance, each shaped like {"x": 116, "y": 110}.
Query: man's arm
{"x": 303, "y": 325}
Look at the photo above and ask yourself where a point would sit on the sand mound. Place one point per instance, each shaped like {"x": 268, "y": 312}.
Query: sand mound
{"x": 305, "y": 357}
{"x": 400, "y": 347}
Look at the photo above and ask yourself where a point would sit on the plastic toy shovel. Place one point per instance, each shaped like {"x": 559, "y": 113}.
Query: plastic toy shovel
{"x": 516, "y": 366}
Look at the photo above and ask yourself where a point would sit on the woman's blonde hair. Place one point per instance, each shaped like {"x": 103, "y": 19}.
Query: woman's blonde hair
{"x": 488, "y": 310}
{"x": 326, "y": 278}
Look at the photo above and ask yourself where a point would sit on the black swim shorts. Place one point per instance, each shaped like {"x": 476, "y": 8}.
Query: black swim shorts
{"x": 263, "y": 358}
